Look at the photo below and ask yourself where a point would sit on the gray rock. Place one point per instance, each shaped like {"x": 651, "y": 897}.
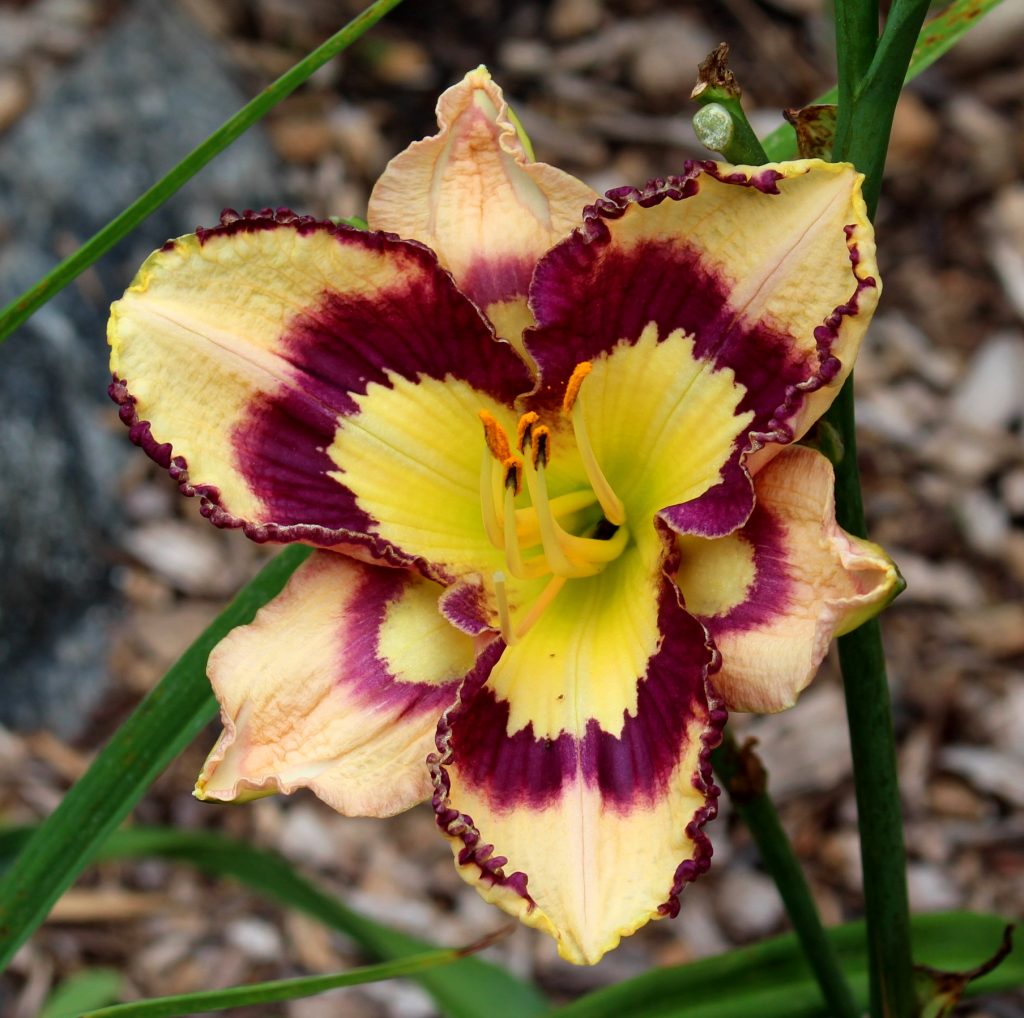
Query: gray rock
{"x": 991, "y": 395}
{"x": 152, "y": 89}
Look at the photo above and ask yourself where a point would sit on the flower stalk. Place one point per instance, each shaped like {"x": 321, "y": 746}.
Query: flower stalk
{"x": 725, "y": 128}
{"x": 867, "y": 103}
{"x": 741, "y": 772}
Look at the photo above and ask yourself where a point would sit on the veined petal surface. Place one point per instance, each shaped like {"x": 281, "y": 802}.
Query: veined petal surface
{"x": 770, "y": 270}
{"x": 474, "y": 195}
{"x": 336, "y": 686}
{"x": 573, "y": 777}
{"x": 775, "y": 593}
{"x": 237, "y": 353}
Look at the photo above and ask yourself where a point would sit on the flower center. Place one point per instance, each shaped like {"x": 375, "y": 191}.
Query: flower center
{"x": 535, "y": 538}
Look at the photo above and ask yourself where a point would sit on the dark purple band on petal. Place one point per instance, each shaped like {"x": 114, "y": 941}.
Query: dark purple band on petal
{"x": 420, "y": 326}
{"x": 474, "y": 851}
{"x": 771, "y": 592}
{"x": 496, "y": 279}
{"x": 720, "y": 510}
{"x": 141, "y": 434}
{"x": 464, "y": 605}
{"x": 361, "y": 668}
{"x": 628, "y": 769}
{"x": 631, "y": 769}
{"x": 587, "y": 296}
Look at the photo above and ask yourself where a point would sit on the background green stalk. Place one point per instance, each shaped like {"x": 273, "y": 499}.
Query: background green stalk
{"x": 745, "y": 780}
{"x": 53, "y": 282}
{"x": 862, "y": 137}
{"x": 722, "y": 125}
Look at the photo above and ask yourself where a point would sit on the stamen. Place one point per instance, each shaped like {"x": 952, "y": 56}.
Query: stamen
{"x": 546, "y": 596}
{"x": 561, "y": 506}
{"x": 593, "y": 550}
{"x": 572, "y": 390}
{"x": 550, "y": 532}
{"x": 498, "y": 452}
{"x": 513, "y": 467}
{"x": 540, "y": 446}
{"x": 572, "y": 404}
{"x": 494, "y": 435}
{"x": 525, "y": 430}
{"x": 519, "y": 567}
{"x": 504, "y": 615}
{"x": 489, "y": 502}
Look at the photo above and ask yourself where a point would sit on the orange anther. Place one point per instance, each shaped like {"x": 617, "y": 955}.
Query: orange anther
{"x": 494, "y": 435}
{"x": 540, "y": 446}
{"x": 526, "y": 423}
{"x": 572, "y": 390}
{"x": 513, "y": 467}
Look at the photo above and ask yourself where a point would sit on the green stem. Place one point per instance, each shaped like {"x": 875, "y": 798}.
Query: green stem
{"x": 862, "y": 137}
{"x": 938, "y": 36}
{"x": 722, "y": 125}
{"x": 745, "y": 781}
{"x": 879, "y": 812}
{"x": 865, "y": 122}
{"x": 856, "y": 42}
{"x": 53, "y": 282}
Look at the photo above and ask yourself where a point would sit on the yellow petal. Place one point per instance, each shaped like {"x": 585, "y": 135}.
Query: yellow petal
{"x": 337, "y": 686}
{"x": 775, "y": 593}
{"x": 237, "y": 351}
{"x": 473, "y": 194}
{"x": 771, "y": 270}
{"x": 574, "y": 780}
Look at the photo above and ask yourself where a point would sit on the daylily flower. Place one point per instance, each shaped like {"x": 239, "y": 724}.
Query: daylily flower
{"x": 545, "y": 457}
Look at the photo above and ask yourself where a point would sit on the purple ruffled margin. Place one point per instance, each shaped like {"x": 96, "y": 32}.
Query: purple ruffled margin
{"x": 475, "y": 851}
{"x": 140, "y": 433}
{"x": 685, "y": 185}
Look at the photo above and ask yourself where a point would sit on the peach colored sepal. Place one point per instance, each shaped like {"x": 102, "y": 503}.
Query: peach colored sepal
{"x": 472, "y": 193}
{"x": 336, "y": 686}
{"x": 774, "y": 594}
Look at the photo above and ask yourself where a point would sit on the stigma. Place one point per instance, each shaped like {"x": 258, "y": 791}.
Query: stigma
{"x": 568, "y": 536}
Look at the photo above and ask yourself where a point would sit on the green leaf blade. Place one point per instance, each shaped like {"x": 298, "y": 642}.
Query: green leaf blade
{"x": 25, "y": 305}
{"x": 166, "y": 721}
{"x": 84, "y": 991}
{"x": 772, "y": 980}
{"x": 273, "y": 991}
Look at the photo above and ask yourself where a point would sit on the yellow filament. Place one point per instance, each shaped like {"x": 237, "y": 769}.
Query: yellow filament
{"x": 551, "y": 534}
{"x": 527, "y": 527}
{"x": 489, "y": 503}
{"x": 537, "y": 609}
{"x": 593, "y": 551}
{"x": 517, "y": 565}
{"x": 504, "y": 615}
{"x": 611, "y": 505}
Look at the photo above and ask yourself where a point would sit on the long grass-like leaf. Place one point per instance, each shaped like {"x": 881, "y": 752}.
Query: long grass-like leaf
{"x": 937, "y": 36}
{"x": 270, "y": 992}
{"x": 460, "y": 990}
{"x": 772, "y": 980}
{"x": 85, "y": 990}
{"x": 53, "y": 282}
{"x": 164, "y": 723}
